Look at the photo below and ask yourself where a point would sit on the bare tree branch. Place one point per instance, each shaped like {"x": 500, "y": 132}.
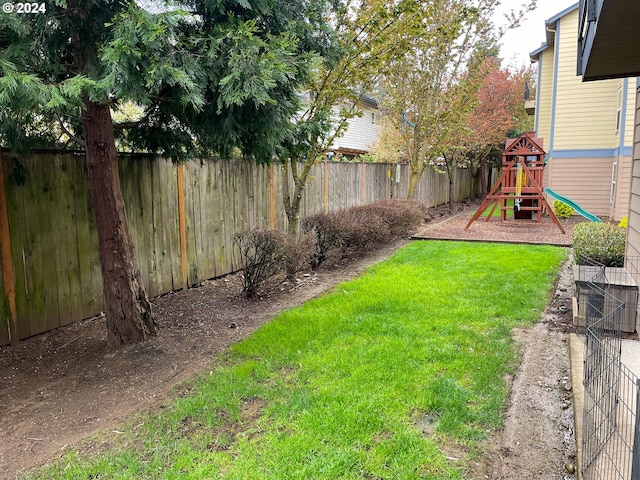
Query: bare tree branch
{"x": 69, "y": 133}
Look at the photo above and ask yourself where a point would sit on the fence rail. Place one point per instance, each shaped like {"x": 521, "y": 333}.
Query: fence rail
{"x": 182, "y": 220}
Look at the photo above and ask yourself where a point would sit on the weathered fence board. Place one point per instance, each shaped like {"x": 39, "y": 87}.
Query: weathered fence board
{"x": 87, "y": 243}
{"x": 375, "y": 181}
{"x": 4, "y": 315}
{"x": 400, "y": 182}
{"x": 7, "y": 276}
{"x": 53, "y": 235}
{"x": 65, "y": 244}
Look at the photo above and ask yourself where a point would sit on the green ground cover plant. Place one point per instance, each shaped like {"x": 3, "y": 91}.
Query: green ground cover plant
{"x": 368, "y": 381}
{"x": 562, "y": 210}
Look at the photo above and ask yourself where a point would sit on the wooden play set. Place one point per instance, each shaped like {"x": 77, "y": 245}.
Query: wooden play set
{"x": 521, "y": 180}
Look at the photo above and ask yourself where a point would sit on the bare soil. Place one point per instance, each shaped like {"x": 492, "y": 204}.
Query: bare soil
{"x": 60, "y": 388}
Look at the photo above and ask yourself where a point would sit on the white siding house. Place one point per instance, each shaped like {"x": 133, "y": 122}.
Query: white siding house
{"x": 362, "y": 131}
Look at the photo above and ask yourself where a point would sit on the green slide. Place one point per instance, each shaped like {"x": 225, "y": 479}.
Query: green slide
{"x": 572, "y": 204}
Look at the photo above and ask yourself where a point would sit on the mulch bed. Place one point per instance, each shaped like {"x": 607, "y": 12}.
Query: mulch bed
{"x": 508, "y": 231}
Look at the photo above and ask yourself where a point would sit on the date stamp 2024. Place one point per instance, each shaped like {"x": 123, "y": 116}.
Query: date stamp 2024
{"x": 24, "y": 8}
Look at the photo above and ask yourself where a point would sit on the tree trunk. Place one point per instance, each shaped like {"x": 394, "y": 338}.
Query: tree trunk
{"x": 291, "y": 171}
{"x": 474, "y": 174}
{"x": 486, "y": 179}
{"x": 128, "y": 311}
{"x": 414, "y": 181}
{"x": 293, "y": 214}
{"x": 291, "y": 203}
{"x": 450, "y": 194}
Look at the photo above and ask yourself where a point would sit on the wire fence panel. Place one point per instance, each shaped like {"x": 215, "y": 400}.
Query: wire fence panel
{"x": 611, "y": 390}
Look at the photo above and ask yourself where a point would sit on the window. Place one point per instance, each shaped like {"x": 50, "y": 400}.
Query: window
{"x": 614, "y": 174}
{"x": 373, "y": 118}
{"x": 619, "y": 112}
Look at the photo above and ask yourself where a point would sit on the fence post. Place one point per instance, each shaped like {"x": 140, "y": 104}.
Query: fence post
{"x": 362, "y": 185}
{"x": 388, "y": 181}
{"x": 183, "y": 226}
{"x": 272, "y": 198}
{"x": 6, "y": 260}
{"x": 635, "y": 462}
{"x": 326, "y": 185}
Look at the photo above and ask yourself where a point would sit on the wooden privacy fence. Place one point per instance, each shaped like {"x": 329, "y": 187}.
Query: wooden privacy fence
{"x": 182, "y": 220}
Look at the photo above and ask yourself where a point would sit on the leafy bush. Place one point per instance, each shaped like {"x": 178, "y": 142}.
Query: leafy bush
{"x": 601, "y": 242}
{"x": 562, "y": 209}
{"x": 262, "y": 254}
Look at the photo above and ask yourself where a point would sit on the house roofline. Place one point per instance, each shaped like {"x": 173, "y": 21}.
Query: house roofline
{"x": 550, "y": 27}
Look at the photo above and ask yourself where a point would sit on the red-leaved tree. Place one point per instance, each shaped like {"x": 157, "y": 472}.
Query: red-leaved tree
{"x": 499, "y": 111}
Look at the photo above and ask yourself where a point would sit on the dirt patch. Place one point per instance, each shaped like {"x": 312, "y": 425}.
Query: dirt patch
{"x": 538, "y": 440}
{"x": 59, "y": 388}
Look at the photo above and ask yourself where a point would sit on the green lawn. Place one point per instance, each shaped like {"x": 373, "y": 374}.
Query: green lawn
{"x": 367, "y": 382}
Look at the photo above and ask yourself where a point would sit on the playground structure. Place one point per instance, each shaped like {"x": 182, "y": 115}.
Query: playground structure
{"x": 522, "y": 181}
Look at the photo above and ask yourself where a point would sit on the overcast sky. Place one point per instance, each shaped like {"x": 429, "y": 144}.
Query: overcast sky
{"x": 518, "y": 43}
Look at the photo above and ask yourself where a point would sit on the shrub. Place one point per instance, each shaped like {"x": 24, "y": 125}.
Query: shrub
{"x": 262, "y": 254}
{"x": 601, "y": 242}
{"x": 624, "y": 222}
{"x": 362, "y": 228}
{"x": 562, "y": 209}
{"x": 401, "y": 216}
{"x": 298, "y": 253}
{"x": 327, "y": 236}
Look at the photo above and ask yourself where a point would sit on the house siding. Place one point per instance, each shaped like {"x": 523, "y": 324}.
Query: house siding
{"x": 585, "y": 114}
{"x": 620, "y": 207}
{"x": 578, "y": 122}
{"x": 581, "y": 179}
{"x": 361, "y": 133}
{"x": 633, "y": 229}
{"x": 630, "y": 114}
{"x": 545, "y": 94}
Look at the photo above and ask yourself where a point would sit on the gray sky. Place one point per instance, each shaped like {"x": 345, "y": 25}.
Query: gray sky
{"x": 517, "y": 43}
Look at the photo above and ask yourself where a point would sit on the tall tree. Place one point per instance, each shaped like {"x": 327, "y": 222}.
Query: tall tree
{"x": 499, "y": 110}
{"x": 364, "y": 36}
{"x": 461, "y": 99}
{"x": 209, "y": 76}
{"x": 431, "y": 90}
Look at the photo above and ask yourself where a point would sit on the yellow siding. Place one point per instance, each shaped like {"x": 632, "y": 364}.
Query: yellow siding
{"x": 623, "y": 188}
{"x": 587, "y": 181}
{"x": 585, "y": 112}
{"x": 545, "y": 93}
{"x": 630, "y": 119}
{"x": 633, "y": 232}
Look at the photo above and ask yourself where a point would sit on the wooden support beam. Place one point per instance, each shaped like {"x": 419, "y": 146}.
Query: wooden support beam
{"x": 363, "y": 185}
{"x": 272, "y": 197}
{"x": 183, "y": 226}
{"x": 542, "y": 198}
{"x": 6, "y": 260}
{"x": 325, "y": 186}
{"x": 491, "y": 197}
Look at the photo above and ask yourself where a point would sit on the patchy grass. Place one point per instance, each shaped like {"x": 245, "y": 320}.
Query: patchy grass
{"x": 374, "y": 380}
{"x": 496, "y": 212}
